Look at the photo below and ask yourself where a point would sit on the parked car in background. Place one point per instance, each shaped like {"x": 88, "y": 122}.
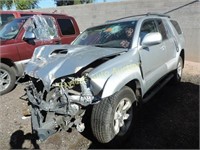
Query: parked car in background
{"x": 7, "y": 16}
{"x": 110, "y": 68}
{"x": 19, "y": 38}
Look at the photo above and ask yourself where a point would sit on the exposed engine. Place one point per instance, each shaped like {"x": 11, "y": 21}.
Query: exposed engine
{"x": 61, "y": 108}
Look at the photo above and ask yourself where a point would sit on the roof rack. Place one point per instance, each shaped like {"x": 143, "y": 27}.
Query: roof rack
{"x": 147, "y": 14}
{"x": 157, "y": 14}
{"x": 125, "y": 17}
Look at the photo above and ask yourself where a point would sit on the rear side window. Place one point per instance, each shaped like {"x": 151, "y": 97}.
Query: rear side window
{"x": 162, "y": 29}
{"x": 176, "y": 26}
{"x": 66, "y": 26}
{"x": 5, "y": 18}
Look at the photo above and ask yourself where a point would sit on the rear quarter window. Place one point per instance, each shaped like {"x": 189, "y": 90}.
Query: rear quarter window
{"x": 66, "y": 26}
{"x": 176, "y": 26}
{"x": 162, "y": 29}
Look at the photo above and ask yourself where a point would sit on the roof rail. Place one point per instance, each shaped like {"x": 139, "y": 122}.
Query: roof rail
{"x": 148, "y": 14}
{"x": 158, "y": 14}
{"x": 125, "y": 17}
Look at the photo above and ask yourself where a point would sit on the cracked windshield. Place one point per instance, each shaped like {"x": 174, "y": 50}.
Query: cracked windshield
{"x": 116, "y": 35}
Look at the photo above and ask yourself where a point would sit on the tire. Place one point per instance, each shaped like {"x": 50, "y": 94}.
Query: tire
{"x": 178, "y": 72}
{"x": 7, "y": 79}
{"x": 107, "y": 123}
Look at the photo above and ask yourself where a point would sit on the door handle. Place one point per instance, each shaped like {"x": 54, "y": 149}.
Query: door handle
{"x": 162, "y": 48}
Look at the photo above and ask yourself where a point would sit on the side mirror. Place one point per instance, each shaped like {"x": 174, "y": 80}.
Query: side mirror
{"x": 151, "y": 39}
{"x": 29, "y": 36}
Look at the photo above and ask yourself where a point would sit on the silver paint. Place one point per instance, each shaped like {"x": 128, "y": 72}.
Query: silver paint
{"x": 47, "y": 65}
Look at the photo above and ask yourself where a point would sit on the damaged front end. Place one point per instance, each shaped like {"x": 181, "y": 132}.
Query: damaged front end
{"x": 60, "y": 108}
{"x": 60, "y": 87}
{"x": 64, "y": 80}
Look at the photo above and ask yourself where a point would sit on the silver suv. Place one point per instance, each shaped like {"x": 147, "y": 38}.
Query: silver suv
{"x": 112, "y": 68}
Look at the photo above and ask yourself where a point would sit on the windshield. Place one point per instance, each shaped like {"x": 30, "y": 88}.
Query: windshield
{"x": 115, "y": 35}
{"x": 11, "y": 29}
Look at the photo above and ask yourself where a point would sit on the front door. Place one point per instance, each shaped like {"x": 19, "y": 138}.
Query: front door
{"x": 152, "y": 57}
{"x": 46, "y": 33}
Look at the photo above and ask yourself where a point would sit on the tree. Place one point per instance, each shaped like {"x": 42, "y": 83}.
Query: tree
{"x": 6, "y": 3}
{"x": 64, "y": 2}
{"x": 19, "y": 4}
{"x": 71, "y": 2}
{"x": 25, "y": 4}
{"x": 86, "y": 1}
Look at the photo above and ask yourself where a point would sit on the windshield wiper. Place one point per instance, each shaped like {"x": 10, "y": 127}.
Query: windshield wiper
{"x": 108, "y": 46}
{"x": 101, "y": 45}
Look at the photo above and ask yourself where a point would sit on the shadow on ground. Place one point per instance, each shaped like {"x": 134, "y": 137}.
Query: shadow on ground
{"x": 169, "y": 120}
{"x": 18, "y": 138}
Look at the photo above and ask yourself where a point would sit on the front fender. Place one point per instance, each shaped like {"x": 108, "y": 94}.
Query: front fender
{"x": 120, "y": 78}
{"x": 111, "y": 76}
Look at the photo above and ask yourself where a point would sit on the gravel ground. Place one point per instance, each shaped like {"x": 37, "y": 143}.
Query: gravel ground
{"x": 169, "y": 120}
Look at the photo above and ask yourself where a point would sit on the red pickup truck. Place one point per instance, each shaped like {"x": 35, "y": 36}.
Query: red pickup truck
{"x": 25, "y": 32}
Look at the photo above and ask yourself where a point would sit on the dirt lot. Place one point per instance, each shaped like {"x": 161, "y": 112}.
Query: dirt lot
{"x": 169, "y": 120}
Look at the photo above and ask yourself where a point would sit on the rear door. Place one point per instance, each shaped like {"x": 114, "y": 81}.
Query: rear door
{"x": 169, "y": 43}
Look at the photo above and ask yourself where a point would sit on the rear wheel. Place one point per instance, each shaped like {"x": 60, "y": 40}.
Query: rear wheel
{"x": 7, "y": 79}
{"x": 112, "y": 118}
{"x": 178, "y": 72}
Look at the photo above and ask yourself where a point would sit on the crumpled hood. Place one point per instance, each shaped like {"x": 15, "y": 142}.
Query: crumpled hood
{"x": 50, "y": 62}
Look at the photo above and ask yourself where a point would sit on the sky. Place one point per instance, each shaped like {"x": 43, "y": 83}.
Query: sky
{"x": 51, "y": 3}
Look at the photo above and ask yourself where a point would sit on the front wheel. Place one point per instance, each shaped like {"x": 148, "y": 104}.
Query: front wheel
{"x": 7, "y": 79}
{"x": 112, "y": 118}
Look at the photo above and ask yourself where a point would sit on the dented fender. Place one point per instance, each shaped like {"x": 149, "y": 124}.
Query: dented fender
{"x": 120, "y": 79}
{"x": 107, "y": 79}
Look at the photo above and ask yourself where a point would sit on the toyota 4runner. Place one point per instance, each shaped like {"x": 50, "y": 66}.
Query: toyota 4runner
{"x": 111, "y": 67}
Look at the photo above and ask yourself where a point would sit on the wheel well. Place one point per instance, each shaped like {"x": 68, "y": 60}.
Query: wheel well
{"x": 9, "y": 63}
{"x": 182, "y": 54}
{"x": 135, "y": 86}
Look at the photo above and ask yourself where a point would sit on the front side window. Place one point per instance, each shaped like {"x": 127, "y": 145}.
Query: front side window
{"x": 43, "y": 27}
{"x": 115, "y": 35}
{"x": 148, "y": 26}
